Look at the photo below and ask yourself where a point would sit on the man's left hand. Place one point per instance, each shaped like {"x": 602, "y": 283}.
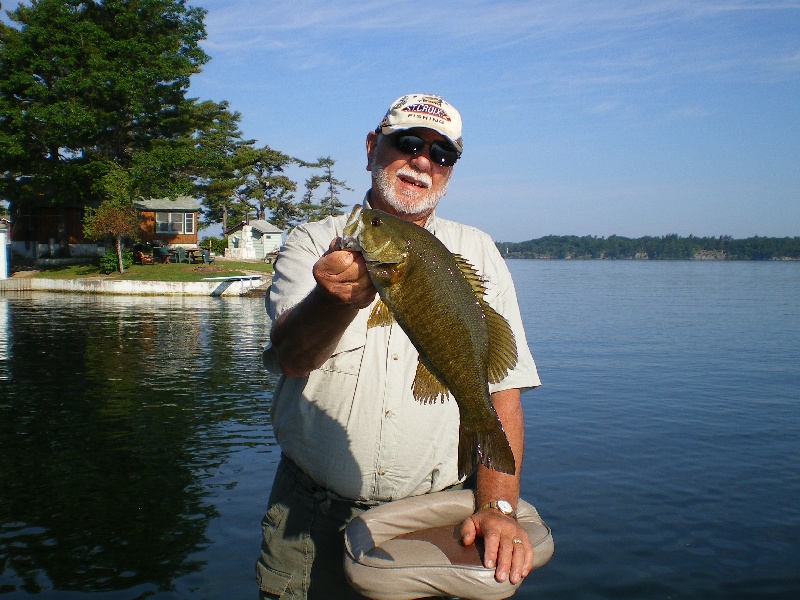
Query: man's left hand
{"x": 507, "y": 548}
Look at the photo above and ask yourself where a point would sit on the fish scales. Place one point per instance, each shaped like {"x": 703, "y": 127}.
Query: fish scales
{"x": 445, "y": 317}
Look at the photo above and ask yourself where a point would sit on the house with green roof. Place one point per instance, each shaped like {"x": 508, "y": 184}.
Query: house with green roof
{"x": 168, "y": 222}
{"x": 255, "y": 240}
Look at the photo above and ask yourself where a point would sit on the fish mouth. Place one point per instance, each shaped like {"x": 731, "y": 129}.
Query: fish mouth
{"x": 352, "y": 230}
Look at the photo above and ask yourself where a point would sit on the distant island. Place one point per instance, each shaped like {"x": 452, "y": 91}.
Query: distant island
{"x": 668, "y": 247}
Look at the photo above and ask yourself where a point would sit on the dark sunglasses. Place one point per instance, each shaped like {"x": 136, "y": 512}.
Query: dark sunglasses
{"x": 441, "y": 152}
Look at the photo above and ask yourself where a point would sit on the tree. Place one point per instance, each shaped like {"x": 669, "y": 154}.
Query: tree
{"x": 116, "y": 215}
{"x": 329, "y": 204}
{"x": 285, "y": 213}
{"x": 265, "y": 186}
{"x": 85, "y": 84}
{"x": 222, "y": 153}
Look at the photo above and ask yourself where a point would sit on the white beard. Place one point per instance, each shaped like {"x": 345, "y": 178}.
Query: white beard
{"x": 407, "y": 202}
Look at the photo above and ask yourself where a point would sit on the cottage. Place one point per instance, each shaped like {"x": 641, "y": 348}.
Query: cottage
{"x": 168, "y": 222}
{"x": 254, "y": 240}
{"x": 43, "y": 230}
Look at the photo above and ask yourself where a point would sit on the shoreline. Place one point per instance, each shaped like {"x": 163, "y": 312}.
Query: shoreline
{"x": 230, "y": 287}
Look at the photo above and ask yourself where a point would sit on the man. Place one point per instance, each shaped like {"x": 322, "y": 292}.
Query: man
{"x": 351, "y": 433}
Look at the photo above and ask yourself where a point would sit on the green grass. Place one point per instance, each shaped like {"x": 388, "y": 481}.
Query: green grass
{"x": 169, "y": 272}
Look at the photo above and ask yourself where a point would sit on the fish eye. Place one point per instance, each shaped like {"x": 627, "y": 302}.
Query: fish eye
{"x": 376, "y": 222}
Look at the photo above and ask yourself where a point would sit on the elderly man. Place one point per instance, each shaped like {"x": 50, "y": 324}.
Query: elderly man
{"x": 351, "y": 434}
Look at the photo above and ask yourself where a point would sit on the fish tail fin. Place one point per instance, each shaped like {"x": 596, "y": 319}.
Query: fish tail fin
{"x": 488, "y": 447}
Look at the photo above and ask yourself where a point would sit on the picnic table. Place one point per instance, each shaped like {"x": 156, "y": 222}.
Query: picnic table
{"x": 194, "y": 254}
{"x": 161, "y": 254}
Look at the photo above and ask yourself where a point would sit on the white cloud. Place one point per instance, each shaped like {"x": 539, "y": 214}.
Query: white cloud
{"x": 565, "y": 43}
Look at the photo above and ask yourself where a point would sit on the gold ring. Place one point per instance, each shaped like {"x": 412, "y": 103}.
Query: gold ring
{"x": 516, "y": 541}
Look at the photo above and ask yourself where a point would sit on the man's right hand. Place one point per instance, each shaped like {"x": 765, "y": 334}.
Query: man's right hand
{"x": 304, "y": 337}
{"x": 343, "y": 276}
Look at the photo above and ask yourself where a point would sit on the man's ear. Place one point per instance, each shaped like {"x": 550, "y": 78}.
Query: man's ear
{"x": 372, "y": 145}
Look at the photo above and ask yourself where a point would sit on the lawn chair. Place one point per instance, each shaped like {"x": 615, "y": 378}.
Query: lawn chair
{"x": 182, "y": 257}
{"x": 142, "y": 258}
{"x": 207, "y": 258}
{"x": 161, "y": 254}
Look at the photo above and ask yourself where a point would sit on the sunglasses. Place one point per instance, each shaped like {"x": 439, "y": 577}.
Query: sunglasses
{"x": 441, "y": 152}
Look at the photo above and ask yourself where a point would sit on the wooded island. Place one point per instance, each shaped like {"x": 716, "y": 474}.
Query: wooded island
{"x": 668, "y": 247}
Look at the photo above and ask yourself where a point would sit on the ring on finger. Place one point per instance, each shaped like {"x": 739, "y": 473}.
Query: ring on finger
{"x": 517, "y": 541}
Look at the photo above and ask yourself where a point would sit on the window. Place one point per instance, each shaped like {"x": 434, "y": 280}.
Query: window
{"x": 175, "y": 222}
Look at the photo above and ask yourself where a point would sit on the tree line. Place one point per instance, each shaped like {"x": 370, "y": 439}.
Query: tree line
{"x": 668, "y": 247}
{"x": 94, "y": 113}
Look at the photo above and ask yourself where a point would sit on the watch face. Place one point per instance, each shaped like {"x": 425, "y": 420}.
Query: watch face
{"x": 504, "y": 507}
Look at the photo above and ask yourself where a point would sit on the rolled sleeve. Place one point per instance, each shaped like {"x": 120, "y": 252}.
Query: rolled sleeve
{"x": 293, "y": 278}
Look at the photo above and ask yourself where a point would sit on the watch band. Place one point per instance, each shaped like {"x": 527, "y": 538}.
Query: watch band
{"x": 502, "y": 505}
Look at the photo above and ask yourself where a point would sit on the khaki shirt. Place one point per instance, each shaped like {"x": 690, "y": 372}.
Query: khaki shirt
{"x": 353, "y": 425}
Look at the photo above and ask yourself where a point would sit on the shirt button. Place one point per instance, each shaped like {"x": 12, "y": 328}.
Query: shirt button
{"x": 382, "y": 472}
{"x": 395, "y": 356}
{"x": 389, "y": 414}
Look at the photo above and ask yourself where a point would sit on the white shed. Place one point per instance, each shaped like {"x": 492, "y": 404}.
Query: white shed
{"x": 265, "y": 238}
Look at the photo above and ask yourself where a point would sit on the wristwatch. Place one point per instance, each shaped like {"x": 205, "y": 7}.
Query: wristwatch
{"x": 503, "y": 506}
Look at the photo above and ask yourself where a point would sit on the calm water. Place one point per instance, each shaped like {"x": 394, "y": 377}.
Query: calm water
{"x": 136, "y": 454}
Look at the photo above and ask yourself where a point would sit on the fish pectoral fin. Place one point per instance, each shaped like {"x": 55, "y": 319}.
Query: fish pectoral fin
{"x": 388, "y": 273}
{"x": 398, "y": 270}
{"x": 380, "y": 315}
{"x": 426, "y": 388}
{"x": 502, "y": 345}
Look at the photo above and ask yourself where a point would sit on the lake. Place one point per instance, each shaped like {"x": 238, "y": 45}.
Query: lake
{"x": 136, "y": 453}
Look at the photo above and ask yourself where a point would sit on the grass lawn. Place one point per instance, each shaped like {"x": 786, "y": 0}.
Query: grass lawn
{"x": 168, "y": 272}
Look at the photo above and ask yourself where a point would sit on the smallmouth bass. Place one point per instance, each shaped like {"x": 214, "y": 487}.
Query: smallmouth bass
{"x": 437, "y": 298}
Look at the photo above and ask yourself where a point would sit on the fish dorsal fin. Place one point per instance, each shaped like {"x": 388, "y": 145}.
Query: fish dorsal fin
{"x": 471, "y": 275}
{"x": 426, "y": 388}
{"x": 502, "y": 345}
{"x": 380, "y": 315}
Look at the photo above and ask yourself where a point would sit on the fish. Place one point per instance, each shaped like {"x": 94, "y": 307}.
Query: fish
{"x": 437, "y": 298}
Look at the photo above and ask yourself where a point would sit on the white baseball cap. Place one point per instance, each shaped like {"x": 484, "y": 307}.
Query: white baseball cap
{"x": 424, "y": 110}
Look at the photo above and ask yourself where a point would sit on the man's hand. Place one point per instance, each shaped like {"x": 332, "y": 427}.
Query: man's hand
{"x": 343, "y": 276}
{"x": 304, "y": 337}
{"x": 510, "y": 560}
{"x": 506, "y": 544}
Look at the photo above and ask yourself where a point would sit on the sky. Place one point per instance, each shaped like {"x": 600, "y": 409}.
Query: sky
{"x": 581, "y": 117}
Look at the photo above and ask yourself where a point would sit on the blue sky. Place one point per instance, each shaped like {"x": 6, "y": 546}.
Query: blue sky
{"x": 643, "y": 117}
{"x": 580, "y": 117}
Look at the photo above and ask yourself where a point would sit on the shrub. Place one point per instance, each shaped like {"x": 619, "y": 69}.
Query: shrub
{"x": 108, "y": 262}
{"x": 216, "y": 245}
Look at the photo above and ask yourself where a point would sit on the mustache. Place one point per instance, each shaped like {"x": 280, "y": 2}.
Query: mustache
{"x": 424, "y": 178}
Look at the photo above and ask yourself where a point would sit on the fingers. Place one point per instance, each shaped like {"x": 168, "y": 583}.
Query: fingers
{"x": 507, "y": 548}
{"x": 468, "y": 532}
{"x": 521, "y": 559}
{"x": 343, "y": 275}
{"x": 513, "y": 556}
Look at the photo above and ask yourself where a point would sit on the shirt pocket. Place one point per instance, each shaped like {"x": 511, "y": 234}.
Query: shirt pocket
{"x": 349, "y": 351}
{"x": 348, "y": 354}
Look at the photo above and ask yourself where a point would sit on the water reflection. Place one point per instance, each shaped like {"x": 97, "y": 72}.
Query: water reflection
{"x": 115, "y": 413}
{"x": 4, "y": 328}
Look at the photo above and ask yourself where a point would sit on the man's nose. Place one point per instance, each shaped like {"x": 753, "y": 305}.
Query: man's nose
{"x": 421, "y": 161}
